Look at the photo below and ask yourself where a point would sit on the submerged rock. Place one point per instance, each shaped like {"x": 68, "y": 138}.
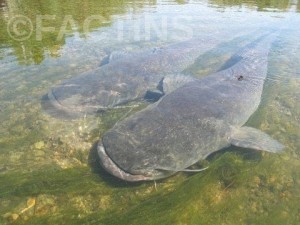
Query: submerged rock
{"x": 39, "y": 145}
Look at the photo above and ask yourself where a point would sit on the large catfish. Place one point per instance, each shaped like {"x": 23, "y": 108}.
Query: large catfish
{"x": 193, "y": 121}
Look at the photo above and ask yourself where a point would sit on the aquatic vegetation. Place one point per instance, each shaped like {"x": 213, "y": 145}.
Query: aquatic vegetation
{"x": 49, "y": 173}
{"x": 233, "y": 187}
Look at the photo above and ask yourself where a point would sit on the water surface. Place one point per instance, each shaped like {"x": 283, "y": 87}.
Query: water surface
{"x": 48, "y": 166}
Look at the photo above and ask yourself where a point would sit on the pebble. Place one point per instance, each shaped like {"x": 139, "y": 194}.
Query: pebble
{"x": 14, "y": 216}
{"x": 39, "y": 145}
{"x": 11, "y": 217}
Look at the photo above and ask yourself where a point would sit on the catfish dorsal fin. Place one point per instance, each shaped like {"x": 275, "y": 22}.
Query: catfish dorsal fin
{"x": 248, "y": 137}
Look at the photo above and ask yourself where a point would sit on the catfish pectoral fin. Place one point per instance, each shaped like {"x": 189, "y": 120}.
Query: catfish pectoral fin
{"x": 248, "y": 137}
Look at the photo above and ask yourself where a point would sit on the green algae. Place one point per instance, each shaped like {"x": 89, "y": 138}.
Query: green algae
{"x": 221, "y": 197}
{"x": 232, "y": 188}
{"x": 71, "y": 197}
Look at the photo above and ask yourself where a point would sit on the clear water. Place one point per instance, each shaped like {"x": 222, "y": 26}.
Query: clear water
{"x": 48, "y": 168}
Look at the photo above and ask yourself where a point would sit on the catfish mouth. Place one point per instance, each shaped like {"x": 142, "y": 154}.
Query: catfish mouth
{"x": 55, "y": 109}
{"x": 112, "y": 168}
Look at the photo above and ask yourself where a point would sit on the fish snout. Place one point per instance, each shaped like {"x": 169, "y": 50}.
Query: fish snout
{"x": 111, "y": 167}
{"x": 121, "y": 155}
{"x": 71, "y": 101}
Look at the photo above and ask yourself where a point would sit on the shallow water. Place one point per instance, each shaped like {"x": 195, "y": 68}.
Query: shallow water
{"x": 48, "y": 166}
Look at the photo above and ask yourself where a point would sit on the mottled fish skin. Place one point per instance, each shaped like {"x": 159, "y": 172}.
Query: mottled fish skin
{"x": 190, "y": 123}
{"x": 124, "y": 79}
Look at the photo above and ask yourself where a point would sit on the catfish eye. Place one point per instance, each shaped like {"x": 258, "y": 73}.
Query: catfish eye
{"x": 240, "y": 78}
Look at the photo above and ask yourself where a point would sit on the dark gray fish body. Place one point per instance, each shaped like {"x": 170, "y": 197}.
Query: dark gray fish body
{"x": 125, "y": 78}
{"x": 191, "y": 122}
